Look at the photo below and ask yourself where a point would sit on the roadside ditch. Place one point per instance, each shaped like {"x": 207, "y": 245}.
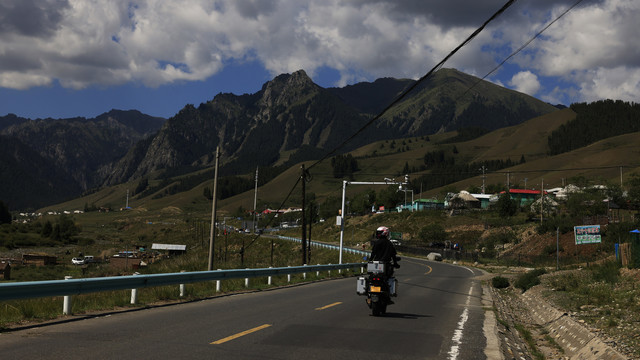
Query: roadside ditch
{"x": 530, "y": 327}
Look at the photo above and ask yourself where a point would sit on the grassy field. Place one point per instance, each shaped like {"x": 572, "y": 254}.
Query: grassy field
{"x": 227, "y": 256}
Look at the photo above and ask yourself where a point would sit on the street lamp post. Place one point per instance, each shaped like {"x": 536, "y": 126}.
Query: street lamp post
{"x": 341, "y": 218}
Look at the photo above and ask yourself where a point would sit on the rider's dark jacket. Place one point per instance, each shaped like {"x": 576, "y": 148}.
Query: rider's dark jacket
{"x": 383, "y": 250}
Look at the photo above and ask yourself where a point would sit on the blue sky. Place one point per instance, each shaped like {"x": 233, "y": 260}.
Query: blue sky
{"x": 83, "y": 58}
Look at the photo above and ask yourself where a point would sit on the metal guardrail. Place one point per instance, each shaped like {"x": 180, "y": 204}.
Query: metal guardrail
{"x": 36, "y": 289}
{"x": 327, "y": 246}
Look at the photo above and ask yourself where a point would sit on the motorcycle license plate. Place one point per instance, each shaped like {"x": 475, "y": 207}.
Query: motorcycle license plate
{"x": 375, "y": 289}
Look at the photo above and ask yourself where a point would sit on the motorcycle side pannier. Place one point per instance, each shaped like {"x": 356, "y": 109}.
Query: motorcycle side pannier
{"x": 361, "y": 286}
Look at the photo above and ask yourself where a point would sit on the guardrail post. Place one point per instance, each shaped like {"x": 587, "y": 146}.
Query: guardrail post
{"x": 269, "y": 278}
{"x": 218, "y": 284}
{"x": 304, "y": 274}
{"x": 318, "y": 272}
{"x": 289, "y": 275}
{"x": 182, "y": 286}
{"x": 66, "y": 303}
{"x": 134, "y": 292}
{"x": 246, "y": 281}
{"x": 329, "y": 272}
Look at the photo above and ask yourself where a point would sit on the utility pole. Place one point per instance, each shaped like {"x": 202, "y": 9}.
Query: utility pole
{"x": 255, "y": 201}
{"x": 213, "y": 211}
{"x": 311, "y": 212}
{"x": 541, "y": 199}
{"x": 483, "y": 177}
{"x": 557, "y": 248}
{"x": 304, "y": 223}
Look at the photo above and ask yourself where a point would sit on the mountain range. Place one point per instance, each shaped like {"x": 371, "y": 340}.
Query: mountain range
{"x": 289, "y": 120}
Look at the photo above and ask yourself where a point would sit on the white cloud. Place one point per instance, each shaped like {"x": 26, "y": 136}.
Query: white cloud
{"x": 594, "y": 48}
{"x": 526, "y": 82}
{"x": 618, "y": 83}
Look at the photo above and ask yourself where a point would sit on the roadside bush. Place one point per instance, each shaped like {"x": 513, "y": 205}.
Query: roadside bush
{"x": 529, "y": 279}
{"x": 551, "y": 249}
{"x": 500, "y": 282}
{"x": 433, "y": 233}
{"x": 568, "y": 281}
{"x": 563, "y": 223}
{"x": 600, "y": 294}
{"x": 608, "y": 272}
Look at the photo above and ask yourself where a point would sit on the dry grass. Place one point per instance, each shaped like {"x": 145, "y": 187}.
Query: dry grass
{"x": 605, "y": 298}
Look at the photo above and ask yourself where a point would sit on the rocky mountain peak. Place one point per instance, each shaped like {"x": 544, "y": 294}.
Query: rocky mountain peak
{"x": 286, "y": 89}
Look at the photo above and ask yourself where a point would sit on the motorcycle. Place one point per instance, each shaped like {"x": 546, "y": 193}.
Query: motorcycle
{"x": 378, "y": 286}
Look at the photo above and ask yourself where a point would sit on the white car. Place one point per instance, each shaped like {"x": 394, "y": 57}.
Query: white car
{"x": 77, "y": 261}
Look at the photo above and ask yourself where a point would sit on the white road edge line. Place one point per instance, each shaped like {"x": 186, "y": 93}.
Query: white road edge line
{"x": 456, "y": 340}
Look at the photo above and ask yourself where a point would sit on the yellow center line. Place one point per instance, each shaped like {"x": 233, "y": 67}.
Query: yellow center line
{"x": 430, "y": 270}
{"x": 229, "y": 338}
{"x": 328, "y": 306}
{"x": 417, "y": 263}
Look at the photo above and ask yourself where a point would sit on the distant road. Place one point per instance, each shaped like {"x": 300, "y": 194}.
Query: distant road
{"x": 437, "y": 315}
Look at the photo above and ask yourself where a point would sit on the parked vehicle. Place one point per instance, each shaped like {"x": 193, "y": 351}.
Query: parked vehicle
{"x": 378, "y": 287}
{"x": 89, "y": 259}
{"x": 77, "y": 261}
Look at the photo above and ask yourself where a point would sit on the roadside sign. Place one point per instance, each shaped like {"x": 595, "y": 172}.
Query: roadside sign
{"x": 395, "y": 235}
{"x": 587, "y": 234}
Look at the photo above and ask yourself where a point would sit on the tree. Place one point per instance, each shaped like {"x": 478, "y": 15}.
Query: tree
{"x": 495, "y": 188}
{"x": 362, "y": 201}
{"x": 344, "y": 166}
{"x": 633, "y": 193}
{"x": 390, "y": 197}
{"x": 5, "y": 215}
{"x": 66, "y": 228}
{"x": 506, "y": 206}
{"x": 329, "y": 208}
{"x": 586, "y": 203}
{"x": 474, "y": 189}
{"x": 433, "y": 233}
{"x": 405, "y": 169}
{"x": 47, "y": 229}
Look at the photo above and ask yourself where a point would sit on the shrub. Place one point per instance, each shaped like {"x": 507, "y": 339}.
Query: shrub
{"x": 608, "y": 272}
{"x": 529, "y": 279}
{"x": 500, "y": 282}
{"x": 551, "y": 249}
{"x": 433, "y": 232}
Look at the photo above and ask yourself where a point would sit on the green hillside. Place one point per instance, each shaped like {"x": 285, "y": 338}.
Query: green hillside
{"x": 600, "y": 161}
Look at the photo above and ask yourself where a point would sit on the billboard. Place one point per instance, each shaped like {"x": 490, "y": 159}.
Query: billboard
{"x": 587, "y": 234}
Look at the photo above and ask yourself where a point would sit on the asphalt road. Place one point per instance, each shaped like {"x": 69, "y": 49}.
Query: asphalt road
{"x": 437, "y": 315}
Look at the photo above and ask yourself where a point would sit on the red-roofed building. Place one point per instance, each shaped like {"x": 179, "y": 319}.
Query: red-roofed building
{"x": 524, "y": 196}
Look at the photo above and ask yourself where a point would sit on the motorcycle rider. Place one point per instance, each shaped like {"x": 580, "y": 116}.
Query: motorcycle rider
{"x": 383, "y": 250}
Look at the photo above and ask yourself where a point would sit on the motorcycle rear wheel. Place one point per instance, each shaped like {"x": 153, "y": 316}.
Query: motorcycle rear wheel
{"x": 378, "y": 308}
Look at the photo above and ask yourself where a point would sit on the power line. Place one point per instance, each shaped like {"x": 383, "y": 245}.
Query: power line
{"x": 520, "y": 48}
{"x": 415, "y": 84}
{"x": 404, "y": 94}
